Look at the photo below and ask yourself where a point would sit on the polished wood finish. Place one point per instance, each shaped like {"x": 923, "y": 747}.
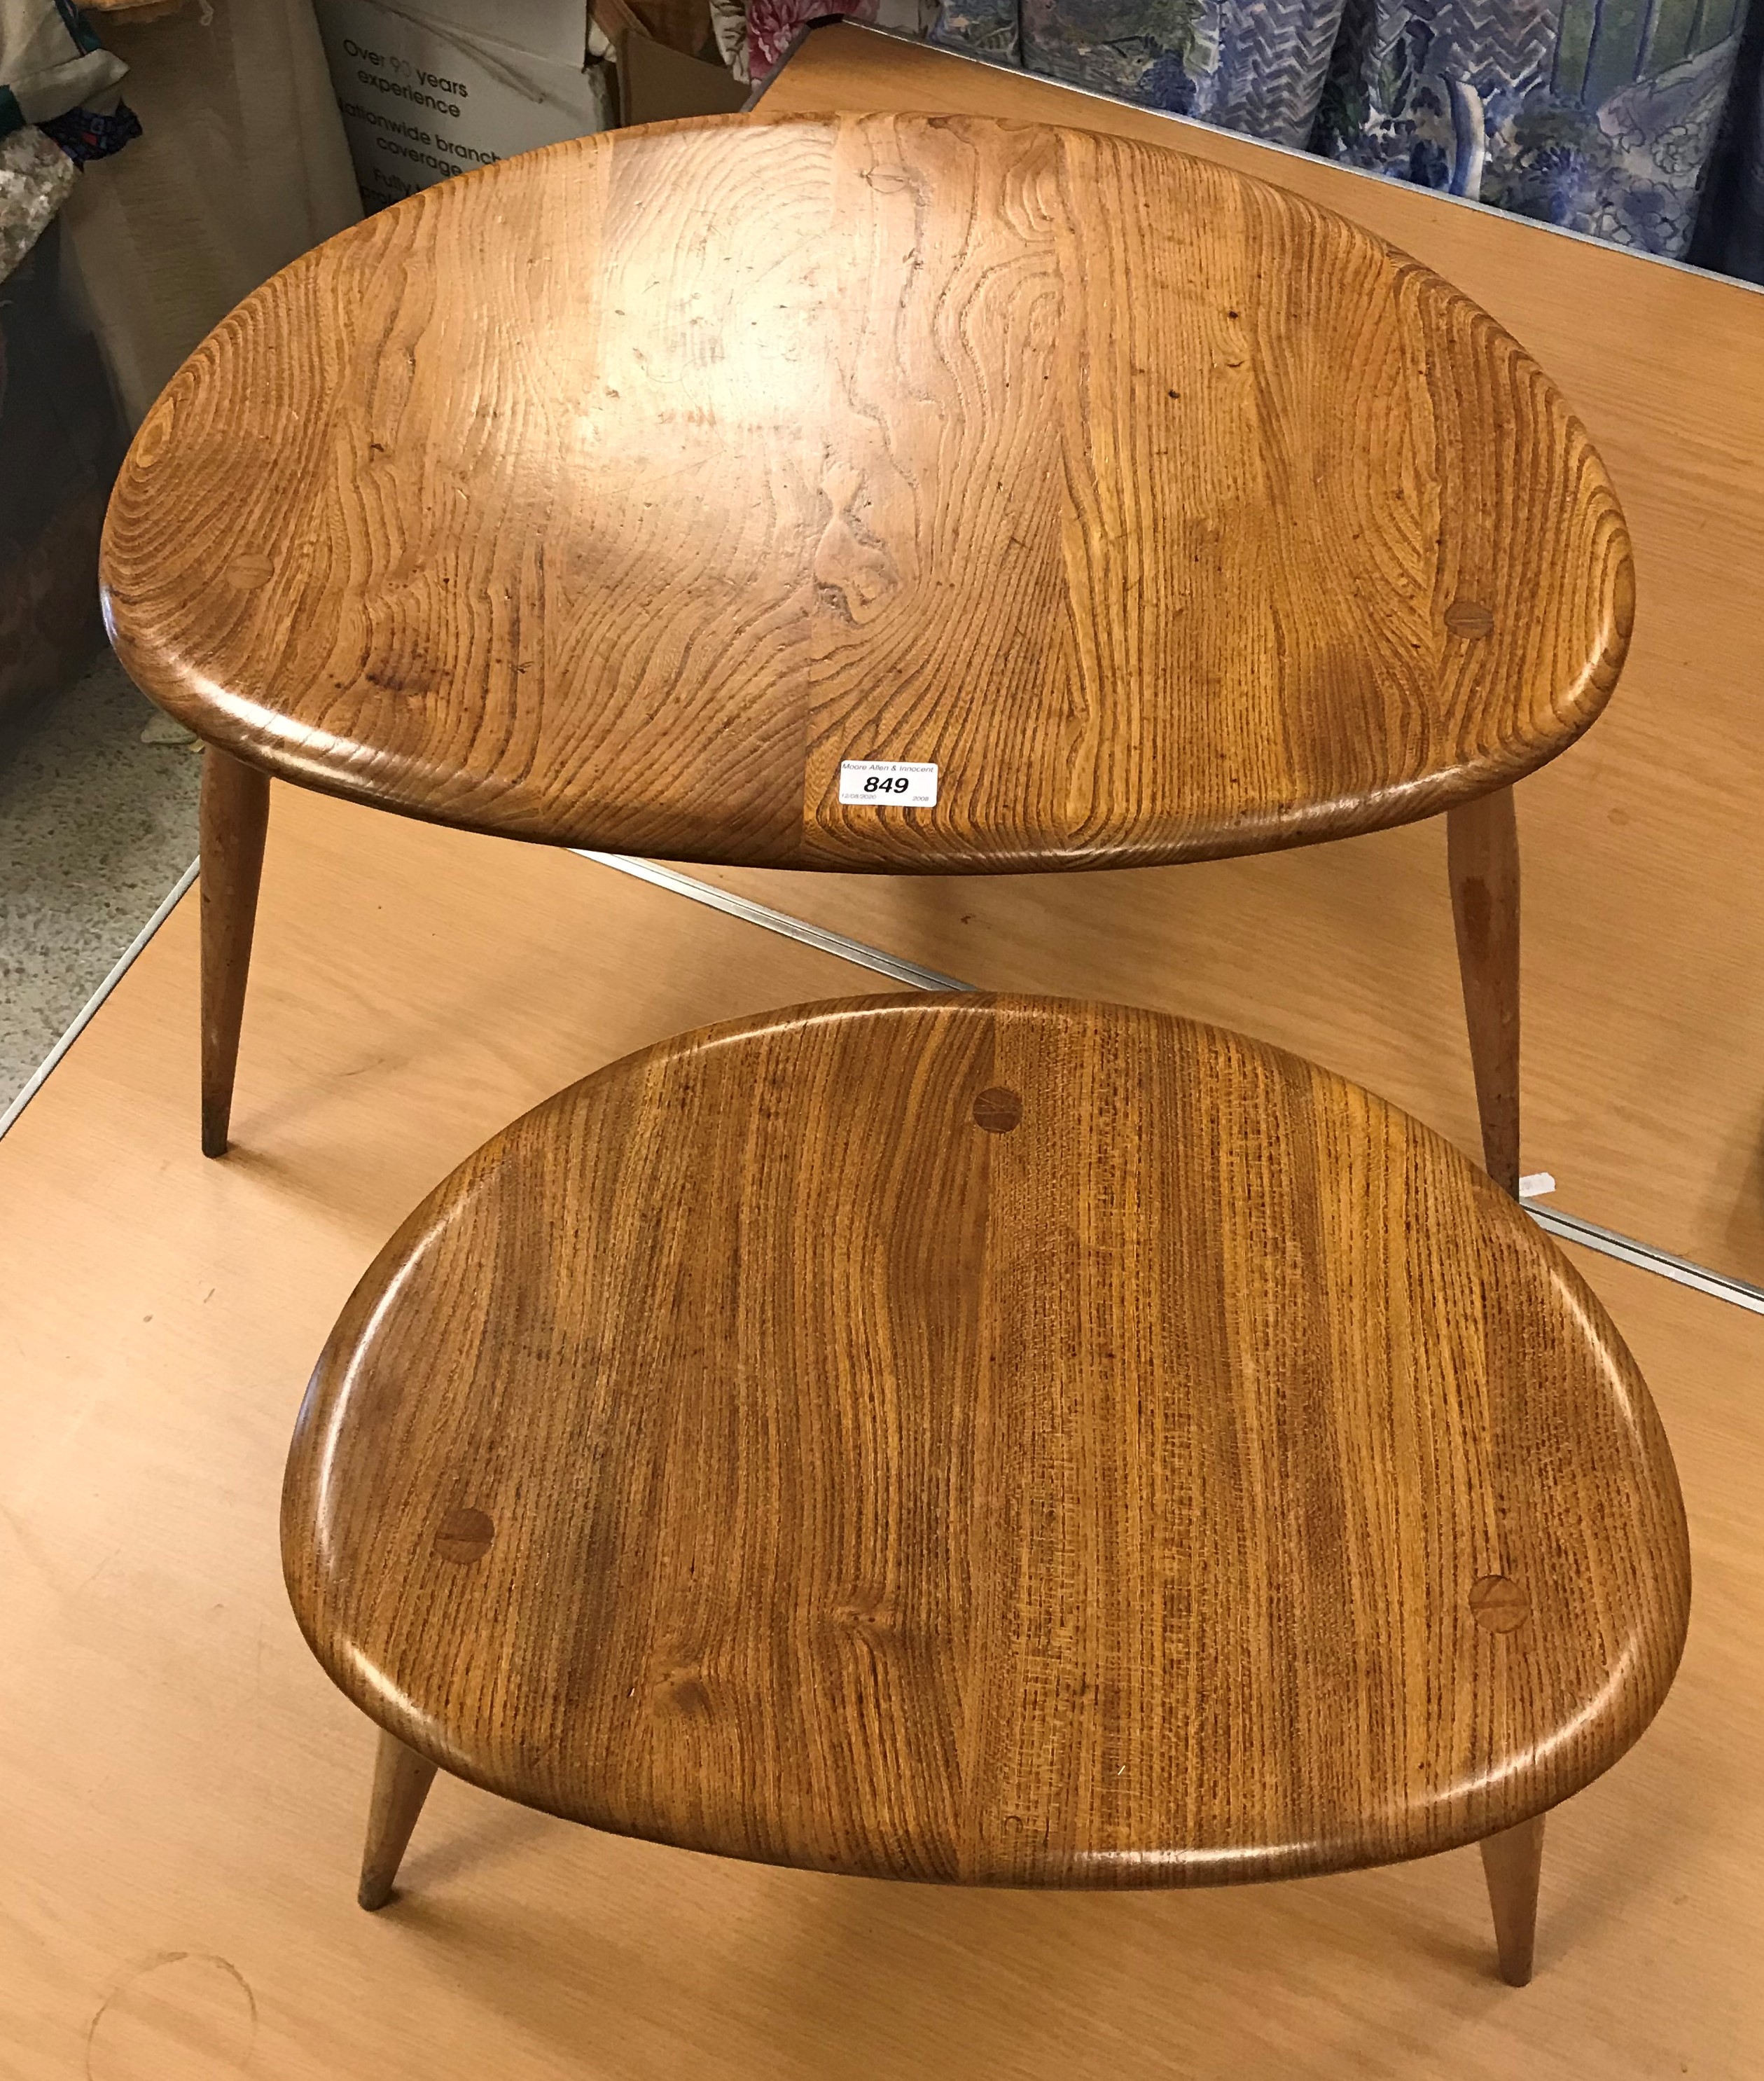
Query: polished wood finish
{"x": 235, "y": 815}
{"x": 1639, "y": 844}
{"x": 1512, "y": 1863}
{"x": 1000, "y": 1440}
{"x": 183, "y": 1791}
{"x": 402, "y": 1782}
{"x": 614, "y": 495}
{"x": 1482, "y": 847}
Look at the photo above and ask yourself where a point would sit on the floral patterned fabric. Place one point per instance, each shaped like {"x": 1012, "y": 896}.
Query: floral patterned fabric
{"x": 1600, "y": 115}
{"x": 1611, "y": 117}
{"x": 755, "y": 35}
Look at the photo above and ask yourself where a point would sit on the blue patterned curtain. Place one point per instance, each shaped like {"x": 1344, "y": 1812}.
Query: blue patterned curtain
{"x": 1638, "y": 121}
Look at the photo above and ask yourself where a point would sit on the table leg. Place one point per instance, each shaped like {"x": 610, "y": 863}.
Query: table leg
{"x": 1512, "y": 1863}
{"x": 1482, "y": 847}
{"x": 235, "y": 814}
{"x": 402, "y": 1782}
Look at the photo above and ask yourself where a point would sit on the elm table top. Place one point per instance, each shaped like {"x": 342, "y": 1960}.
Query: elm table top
{"x": 1007, "y": 1440}
{"x": 615, "y": 495}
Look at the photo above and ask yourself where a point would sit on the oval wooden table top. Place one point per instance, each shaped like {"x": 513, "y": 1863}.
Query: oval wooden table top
{"x": 1009, "y": 1440}
{"x": 619, "y": 494}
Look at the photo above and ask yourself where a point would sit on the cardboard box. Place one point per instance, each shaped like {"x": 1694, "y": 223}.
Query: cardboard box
{"x": 422, "y": 98}
{"x": 566, "y": 31}
{"x": 557, "y": 30}
{"x": 677, "y": 25}
{"x": 657, "y": 84}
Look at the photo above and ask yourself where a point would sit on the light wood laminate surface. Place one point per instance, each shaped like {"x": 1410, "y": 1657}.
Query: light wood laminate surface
{"x": 1643, "y": 846}
{"x": 183, "y": 1792}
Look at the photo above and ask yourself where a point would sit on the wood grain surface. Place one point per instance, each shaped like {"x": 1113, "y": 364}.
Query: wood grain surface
{"x": 1004, "y": 1440}
{"x": 184, "y": 1790}
{"x": 1482, "y": 859}
{"x": 1644, "y": 1037}
{"x": 235, "y": 820}
{"x": 615, "y": 495}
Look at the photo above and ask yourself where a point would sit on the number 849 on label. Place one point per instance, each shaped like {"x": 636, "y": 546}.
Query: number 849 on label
{"x": 894, "y": 784}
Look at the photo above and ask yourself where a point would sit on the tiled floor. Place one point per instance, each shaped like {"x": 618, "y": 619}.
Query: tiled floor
{"x": 96, "y": 824}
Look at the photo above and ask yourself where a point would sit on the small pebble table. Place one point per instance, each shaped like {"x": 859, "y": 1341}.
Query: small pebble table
{"x": 1005, "y": 1441}
{"x": 906, "y": 495}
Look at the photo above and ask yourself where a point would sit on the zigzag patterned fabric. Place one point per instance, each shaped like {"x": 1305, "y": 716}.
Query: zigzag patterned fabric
{"x": 1597, "y": 115}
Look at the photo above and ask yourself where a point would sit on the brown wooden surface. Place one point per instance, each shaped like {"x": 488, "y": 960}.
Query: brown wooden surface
{"x": 235, "y": 819}
{"x": 1644, "y": 1075}
{"x": 615, "y": 494}
{"x": 1004, "y": 1440}
{"x": 402, "y": 1782}
{"x": 1482, "y": 858}
{"x": 1512, "y": 1863}
{"x": 182, "y": 1791}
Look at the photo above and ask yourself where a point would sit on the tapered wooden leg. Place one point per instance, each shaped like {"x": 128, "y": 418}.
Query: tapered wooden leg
{"x": 1482, "y": 846}
{"x": 1511, "y": 1863}
{"x": 235, "y": 813}
{"x": 402, "y": 1782}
